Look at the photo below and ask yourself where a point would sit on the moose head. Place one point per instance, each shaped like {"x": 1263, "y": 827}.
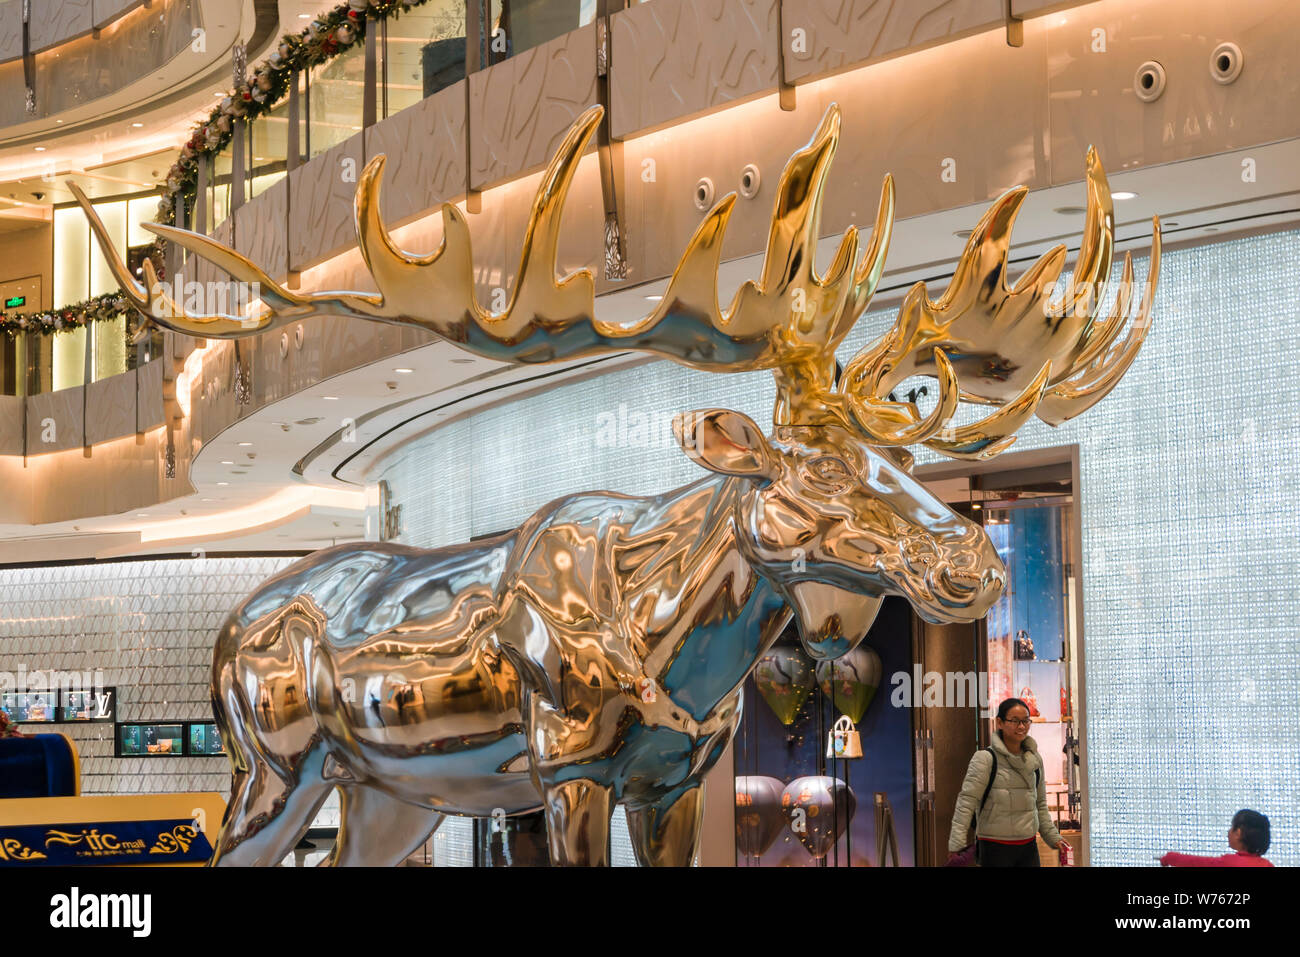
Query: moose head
{"x": 832, "y": 516}
{"x": 836, "y": 526}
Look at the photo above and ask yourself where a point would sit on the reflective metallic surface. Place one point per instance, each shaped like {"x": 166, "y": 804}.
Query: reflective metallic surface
{"x": 595, "y": 655}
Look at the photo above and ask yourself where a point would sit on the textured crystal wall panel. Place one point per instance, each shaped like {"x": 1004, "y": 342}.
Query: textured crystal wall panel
{"x": 1190, "y": 568}
{"x": 149, "y": 626}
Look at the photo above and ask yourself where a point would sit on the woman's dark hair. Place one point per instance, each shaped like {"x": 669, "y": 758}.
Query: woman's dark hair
{"x": 1005, "y": 707}
{"x": 1254, "y": 830}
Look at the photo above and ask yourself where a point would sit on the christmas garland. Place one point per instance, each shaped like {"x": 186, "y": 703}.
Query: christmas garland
{"x": 330, "y": 34}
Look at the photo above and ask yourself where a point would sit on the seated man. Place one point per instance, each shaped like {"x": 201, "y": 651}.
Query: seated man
{"x": 1248, "y": 838}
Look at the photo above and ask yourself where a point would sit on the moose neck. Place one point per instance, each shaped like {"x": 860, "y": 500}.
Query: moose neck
{"x": 707, "y": 615}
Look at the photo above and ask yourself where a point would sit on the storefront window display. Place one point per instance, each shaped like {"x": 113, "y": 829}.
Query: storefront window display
{"x": 1030, "y": 634}
{"x": 797, "y": 803}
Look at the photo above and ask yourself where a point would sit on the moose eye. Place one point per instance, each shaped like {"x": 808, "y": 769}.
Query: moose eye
{"x": 828, "y": 474}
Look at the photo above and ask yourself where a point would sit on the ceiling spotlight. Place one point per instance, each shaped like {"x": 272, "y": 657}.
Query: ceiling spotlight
{"x": 243, "y": 445}
{"x": 227, "y": 462}
{"x": 40, "y": 149}
{"x": 330, "y": 398}
{"x": 403, "y": 371}
{"x": 137, "y": 125}
{"x": 654, "y": 298}
{"x": 1123, "y": 194}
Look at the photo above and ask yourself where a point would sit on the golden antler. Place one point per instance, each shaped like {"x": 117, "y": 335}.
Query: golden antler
{"x": 548, "y": 320}
{"x": 1010, "y": 346}
{"x": 984, "y": 342}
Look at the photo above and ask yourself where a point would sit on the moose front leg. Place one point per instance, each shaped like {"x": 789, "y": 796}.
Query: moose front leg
{"x": 577, "y": 822}
{"x": 563, "y": 749}
{"x": 667, "y": 834}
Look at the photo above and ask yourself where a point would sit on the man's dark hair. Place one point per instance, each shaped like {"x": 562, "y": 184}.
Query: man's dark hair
{"x": 1254, "y": 830}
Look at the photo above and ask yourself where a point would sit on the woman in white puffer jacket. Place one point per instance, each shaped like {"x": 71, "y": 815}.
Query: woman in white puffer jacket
{"x": 1005, "y": 795}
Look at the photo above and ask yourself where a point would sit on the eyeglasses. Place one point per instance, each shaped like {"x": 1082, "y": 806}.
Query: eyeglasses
{"x": 1018, "y": 722}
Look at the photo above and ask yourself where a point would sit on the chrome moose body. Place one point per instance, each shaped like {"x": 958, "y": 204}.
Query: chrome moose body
{"x": 594, "y": 656}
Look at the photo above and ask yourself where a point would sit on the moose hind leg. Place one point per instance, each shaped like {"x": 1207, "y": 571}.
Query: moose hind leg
{"x": 377, "y": 830}
{"x": 667, "y": 834}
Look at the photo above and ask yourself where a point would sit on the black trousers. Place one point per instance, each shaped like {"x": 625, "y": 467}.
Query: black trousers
{"x": 992, "y": 854}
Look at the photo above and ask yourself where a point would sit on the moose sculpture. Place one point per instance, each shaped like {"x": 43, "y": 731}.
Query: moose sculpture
{"x": 596, "y": 654}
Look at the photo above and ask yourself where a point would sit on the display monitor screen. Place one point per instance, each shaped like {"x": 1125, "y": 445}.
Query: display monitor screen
{"x": 98, "y": 705}
{"x": 205, "y": 739}
{"x": 150, "y": 740}
{"x": 35, "y": 706}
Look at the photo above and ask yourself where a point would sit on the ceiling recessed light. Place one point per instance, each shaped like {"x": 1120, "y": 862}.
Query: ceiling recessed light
{"x": 223, "y": 483}
{"x": 653, "y": 298}
{"x": 330, "y": 398}
{"x": 40, "y": 149}
{"x": 1123, "y": 194}
{"x": 243, "y": 445}
{"x": 141, "y": 514}
{"x": 137, "y": 125}
{"x": 59, "y": 122}
{"x": 1070, "y": 210}
{"x": 304, "y": 16}
{"x": 209, "y": 500}
{"x": 227, "y": 462}
{"x": 404, "y": 371}
{"x": 962, "y": 233}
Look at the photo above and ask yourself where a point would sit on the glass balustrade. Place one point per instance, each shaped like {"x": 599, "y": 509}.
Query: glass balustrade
{"x": 335, "y": 100}
{"x": 420, "y": 53}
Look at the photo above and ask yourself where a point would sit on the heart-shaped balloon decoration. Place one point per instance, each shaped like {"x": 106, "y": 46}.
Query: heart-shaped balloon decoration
{"x": 785, "y": 678}
{"x": 759, "y": 817}
{"x": 818, "y": 810}
{"x": 851, "y": 680}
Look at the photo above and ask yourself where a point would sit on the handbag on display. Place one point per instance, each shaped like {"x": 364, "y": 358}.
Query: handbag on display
{"x": 1024, "y": 649}
{"x": 1027, "y": 696}
{"x": 844, "y": 740}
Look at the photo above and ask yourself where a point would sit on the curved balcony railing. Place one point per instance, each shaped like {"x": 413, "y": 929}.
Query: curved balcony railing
{"x": 366, "y": 73}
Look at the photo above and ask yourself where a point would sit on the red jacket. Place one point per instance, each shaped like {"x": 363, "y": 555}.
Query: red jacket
{"x": 1235, "y": 859}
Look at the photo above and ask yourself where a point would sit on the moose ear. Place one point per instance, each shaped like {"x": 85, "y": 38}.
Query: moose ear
{"x": 726, "y": 442}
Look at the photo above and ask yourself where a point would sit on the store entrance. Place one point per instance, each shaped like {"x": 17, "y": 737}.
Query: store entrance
{"x": 1029, "y": 645}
